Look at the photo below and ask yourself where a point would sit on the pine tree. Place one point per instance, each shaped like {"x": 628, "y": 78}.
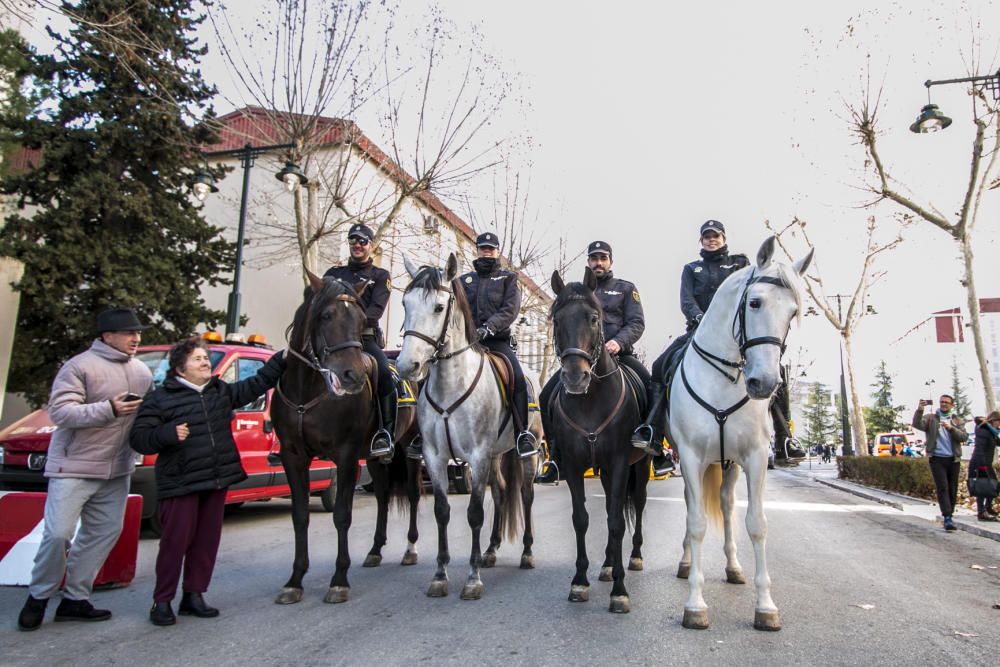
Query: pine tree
{"x": 961, "y": 398}
{"x": 883, "y": 415}
{"x": 819, "y": 420}
{"x": 110, "y": 219}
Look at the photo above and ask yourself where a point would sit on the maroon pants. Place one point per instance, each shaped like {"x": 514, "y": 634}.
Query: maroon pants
{"x": 192, "y": 528}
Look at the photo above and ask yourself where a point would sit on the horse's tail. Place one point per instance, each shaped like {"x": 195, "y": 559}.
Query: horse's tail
{"x": 630, "y": 488}
{"x": 510, "y": 480}
{"x": 711, "y": 494}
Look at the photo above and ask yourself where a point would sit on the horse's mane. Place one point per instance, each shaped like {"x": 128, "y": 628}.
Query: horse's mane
{"x": 575, "y": 292}
{"x": 429, "y": 278}
{"x": 332, "y": 287}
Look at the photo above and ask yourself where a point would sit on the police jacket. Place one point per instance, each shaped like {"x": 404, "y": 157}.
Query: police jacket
{"x": 624, "y": 321}
{"x": 493, "y": 296}
{"x": 701, "y": 279}
{"x": 375, "y": 296}
{"x": 207, "y": 459}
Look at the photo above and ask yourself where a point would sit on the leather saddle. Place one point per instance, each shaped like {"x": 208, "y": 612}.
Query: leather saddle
{"x": 406, "y": 392}
{"x": 503, "y": 373}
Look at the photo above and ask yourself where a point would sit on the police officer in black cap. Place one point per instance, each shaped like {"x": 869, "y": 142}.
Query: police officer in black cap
{"x": 700, "y": 280}
{"x": 495, "y": 300}
{"x": 624, "y": 323}
{"x": 373, "y": 299}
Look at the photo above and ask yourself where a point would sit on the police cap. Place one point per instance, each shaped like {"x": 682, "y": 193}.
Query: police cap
{"x": 362, "y": 232}
{"x": 712, "y": 226}
{"x": 488, "y": 239}
{"x": 599, "y": 247}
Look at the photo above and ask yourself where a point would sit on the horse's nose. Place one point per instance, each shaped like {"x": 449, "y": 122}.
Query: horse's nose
{"x": 754, "y": 386}
{"x": 350, "y": 376}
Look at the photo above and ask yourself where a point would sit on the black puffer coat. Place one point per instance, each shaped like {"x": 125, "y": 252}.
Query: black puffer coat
{"x": 208, "y": 458}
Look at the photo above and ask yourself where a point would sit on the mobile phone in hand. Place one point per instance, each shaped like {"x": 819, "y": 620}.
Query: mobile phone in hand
{"x": 132, "y": 397}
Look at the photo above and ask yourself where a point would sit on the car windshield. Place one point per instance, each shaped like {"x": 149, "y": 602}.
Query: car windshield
{"x": 158, "y": 364}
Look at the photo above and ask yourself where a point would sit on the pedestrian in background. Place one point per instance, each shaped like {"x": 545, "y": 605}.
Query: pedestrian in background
{"x": 186, "y": 422}
{"x": 93, "y": 402}
{"x": 981, "y": 463}
{"x": 945, "y": 435}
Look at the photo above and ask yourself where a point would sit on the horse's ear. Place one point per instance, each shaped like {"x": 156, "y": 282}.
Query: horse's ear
{"x": 360, "y": 287}
{"x": 802, "y": 265}
{"x": 766, "y": 253}
{"x": 412, "y": 270}
{"x": 451, "y": 268}
{"x": 314, "y": 281}
{"x": 557, "y": 283}
{"x": 589, "y": 279}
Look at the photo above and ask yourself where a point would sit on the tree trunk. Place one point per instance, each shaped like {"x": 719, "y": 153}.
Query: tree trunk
{"x": 543, "y": 376}
{"x": 977, "y": 329}
{"x": 857, "y": 415}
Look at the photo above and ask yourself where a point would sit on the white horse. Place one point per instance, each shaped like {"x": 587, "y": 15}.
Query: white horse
{"x": 460, "y": 410}
{"x": 720, "y": 424}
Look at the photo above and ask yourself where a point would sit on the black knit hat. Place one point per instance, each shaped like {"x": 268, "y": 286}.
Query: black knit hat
{"x": 119, "y": 319}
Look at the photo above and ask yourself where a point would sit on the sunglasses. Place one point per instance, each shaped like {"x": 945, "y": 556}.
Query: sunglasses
{"x": 354, "y": 240}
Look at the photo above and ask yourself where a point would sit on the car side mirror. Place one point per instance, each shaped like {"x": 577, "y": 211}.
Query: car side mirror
{"x": 268, "y": 426}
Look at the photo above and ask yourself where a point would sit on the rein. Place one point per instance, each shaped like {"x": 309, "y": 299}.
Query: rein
{"x": 740, "y": 336}
{"x": 450, "y": 410}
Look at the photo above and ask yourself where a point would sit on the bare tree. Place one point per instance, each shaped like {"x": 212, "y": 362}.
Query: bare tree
{"x": 959, "y": 226}
{"x": 844, "y": 321}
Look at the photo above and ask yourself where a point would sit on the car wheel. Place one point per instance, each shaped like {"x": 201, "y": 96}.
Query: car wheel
{"x": 463, "y": 480}
{"x": 328, "y": 496}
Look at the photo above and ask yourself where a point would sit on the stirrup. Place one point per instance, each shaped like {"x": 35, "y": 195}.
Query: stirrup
{"x": 415, "y": 449}
{"x": 379, "y": 451}
{"x": 667, "y": 465}
{"x": 526, "y": 444}
{"x": 642, "y": 437}
{"x": 550, "y": 468}
{"x": 792, "y": 449}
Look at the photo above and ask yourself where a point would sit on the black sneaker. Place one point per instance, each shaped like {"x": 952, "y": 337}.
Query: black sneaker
{"x": 161, "y": 614}
{"x": 949, "y": 524}
{"x": 662, "y": 465}
{"x": 31, "y": 614}
{"x": 80, "y": 610}
{"x": 527, "y": 446}
{"x": 193, "y": 604}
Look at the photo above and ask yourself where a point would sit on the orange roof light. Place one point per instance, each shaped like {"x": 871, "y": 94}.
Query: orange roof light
{"x": 212, "y": 336}
{"x": 257, "y": 339}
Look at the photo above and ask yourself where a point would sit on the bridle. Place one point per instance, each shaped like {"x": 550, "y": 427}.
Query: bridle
{"x": 439, "y": 342}
{"x": 594, "y": 355}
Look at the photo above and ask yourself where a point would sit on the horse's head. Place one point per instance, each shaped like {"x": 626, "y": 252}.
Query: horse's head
{"x": 577, "y": 330}
{"x": 331, "y": 322}
{"x": 437, "y": 321}
{"x": 771, "y": 297}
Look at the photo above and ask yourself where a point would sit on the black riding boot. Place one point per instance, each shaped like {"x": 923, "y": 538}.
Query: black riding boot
{"x": 550, "y": 470}
{"x": 382, "y": 446}
{"x": 527, "y": 445}
{"x": 649, "y": 435}
{"x": 786, "y": 446}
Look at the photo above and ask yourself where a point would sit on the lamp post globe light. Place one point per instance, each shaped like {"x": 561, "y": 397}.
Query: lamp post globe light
{"x": 202, "y": 184}
{"x": 931, "y": 119}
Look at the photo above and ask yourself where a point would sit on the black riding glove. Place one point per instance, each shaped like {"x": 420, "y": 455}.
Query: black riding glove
{"x": 484, "y": 333}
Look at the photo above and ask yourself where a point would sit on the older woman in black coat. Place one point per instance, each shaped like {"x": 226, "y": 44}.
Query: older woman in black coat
{"x": 981, "y": 462}
{"x": 187, "y": 423}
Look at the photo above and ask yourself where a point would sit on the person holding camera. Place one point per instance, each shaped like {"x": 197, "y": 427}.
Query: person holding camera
{"x": 981, "y": 463}
{"x": 360, "y": 268}
{"x": 186, "y": 422}
{"x": 94, "y": 399}
{"x": 945, "y": 435}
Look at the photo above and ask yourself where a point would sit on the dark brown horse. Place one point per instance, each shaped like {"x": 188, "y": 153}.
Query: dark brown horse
{"x": 325, "y": 409}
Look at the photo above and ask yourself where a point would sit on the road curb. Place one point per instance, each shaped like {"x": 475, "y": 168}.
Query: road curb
{"x": 880, "y": 497}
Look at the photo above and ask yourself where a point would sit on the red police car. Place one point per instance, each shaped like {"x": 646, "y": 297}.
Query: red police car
{"x": 24, "y": 444}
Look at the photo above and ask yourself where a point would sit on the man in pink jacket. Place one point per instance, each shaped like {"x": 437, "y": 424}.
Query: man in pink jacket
{"x": 93, "y": 402}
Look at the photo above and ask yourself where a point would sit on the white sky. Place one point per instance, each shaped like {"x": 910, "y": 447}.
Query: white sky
{"x": 649, "y": 118}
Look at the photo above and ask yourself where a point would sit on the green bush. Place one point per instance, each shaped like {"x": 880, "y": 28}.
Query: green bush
{"x": 908, "y": 476}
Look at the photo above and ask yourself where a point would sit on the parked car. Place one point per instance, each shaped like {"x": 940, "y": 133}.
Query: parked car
{"x": 890, "y": 444}
{"x": 24, "y": 444}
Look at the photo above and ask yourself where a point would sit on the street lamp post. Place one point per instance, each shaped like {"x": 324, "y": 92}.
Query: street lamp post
{"x": 932, "y": 120}
{"x": 203, "y": 184}
{"x": 845, "y": 422}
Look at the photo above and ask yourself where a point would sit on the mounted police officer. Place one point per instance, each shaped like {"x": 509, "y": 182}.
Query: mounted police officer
{"x": 373, "y": 299}
{"x": 624, "y": 323}
{"x": 700, "y": 280}
{"x": 495, "y": 301}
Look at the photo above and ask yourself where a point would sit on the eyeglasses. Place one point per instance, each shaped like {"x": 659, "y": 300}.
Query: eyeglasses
{"x": 355, "y": 240}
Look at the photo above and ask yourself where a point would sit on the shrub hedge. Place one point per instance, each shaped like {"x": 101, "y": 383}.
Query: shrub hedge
{"x": 908, "y": 476}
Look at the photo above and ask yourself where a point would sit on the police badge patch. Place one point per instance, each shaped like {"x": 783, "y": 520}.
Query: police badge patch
{"x": 468, "y": 279}
{"x": 635, "y": 295}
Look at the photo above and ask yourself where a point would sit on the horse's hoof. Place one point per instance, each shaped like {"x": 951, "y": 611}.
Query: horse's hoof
{"x": 289, "y": 595}
{"x": 766, "y": 620}
{"x": 620, "y": 604}
{"x": 695, "y": 620}
{"x": 635, "y": 564}
{"x": 372, "y": 560}
{"x": 337, "y": 594}
{"x": 488, "y": 560}
{"x": 472, "y": 591}
{"x": 409, "y": 558}
{"x": 438, "y": 589}
{"x": 605, "y": 574}
{"x": 683, "y": 570}
{"x": 527, "y": 562}
{"x": 735, "y": 577}
{"x": 579, "y": 593}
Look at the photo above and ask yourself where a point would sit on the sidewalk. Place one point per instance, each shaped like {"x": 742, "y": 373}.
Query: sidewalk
{"x": 826, "y": 474}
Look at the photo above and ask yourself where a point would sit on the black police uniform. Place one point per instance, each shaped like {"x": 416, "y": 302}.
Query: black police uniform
{"x": 495, "y": 301}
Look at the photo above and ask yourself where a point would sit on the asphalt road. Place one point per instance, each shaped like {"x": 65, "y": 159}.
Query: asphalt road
{"x": 831, "y": 555}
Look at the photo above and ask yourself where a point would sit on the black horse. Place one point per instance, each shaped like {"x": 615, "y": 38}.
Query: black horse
{"x": 325, "y": 409}
{"x": 590, "y": 416}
